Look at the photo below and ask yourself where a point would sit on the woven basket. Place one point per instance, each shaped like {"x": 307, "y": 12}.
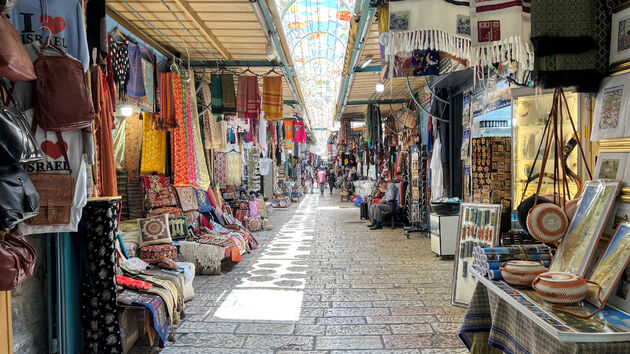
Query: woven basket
{"x": 560, "y": 288}
{"x": 547, "y": 222}
{"x": 521, "y": 273}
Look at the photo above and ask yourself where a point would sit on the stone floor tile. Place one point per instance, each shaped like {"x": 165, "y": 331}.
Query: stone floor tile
{"x": 446, "y": 327}
{"x": 416, "y": 310}
{"x": 265, "y": 328}
{"x": 349, "y": 342}
{"x": 211, "y": 340}
{"x": 416, "y": 328}
{"x": 413, "y": 341}
{"x": 400, "y": 319}
{"x": 205, "y": 327}
{"x": 361, "y": 311}
{"x": 340, "y": 320}
{"x": 346, "y": 330}
{"x": 403, "y": 351}
{"x": 279, "y": 342}
{"x": 310, "y": 330}
{"x": 353, "y": 304}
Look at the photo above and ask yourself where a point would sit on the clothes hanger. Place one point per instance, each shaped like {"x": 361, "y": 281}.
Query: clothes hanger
{"x": 118, "y": 32}
{"x": 273, "y": 70}
{"x": 248, "y": 71}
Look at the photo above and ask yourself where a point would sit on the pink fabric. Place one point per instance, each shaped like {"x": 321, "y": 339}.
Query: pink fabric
{"x": 321, "y": 176}
{"x": 300, "y": 133}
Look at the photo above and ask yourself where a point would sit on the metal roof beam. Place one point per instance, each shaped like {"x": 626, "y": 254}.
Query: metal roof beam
{"x": 209, "y": 64}
{"x": 367, "y": 69}
{"x": 389, "y": 101}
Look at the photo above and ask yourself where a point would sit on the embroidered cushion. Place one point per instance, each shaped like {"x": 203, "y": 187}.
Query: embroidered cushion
{"x": 202, "y": 201}
{"x": 254, "y": 224}
{"x": 171, "y": 211}
{"x": 157, "y": 192}
{"x": 178, "y": 227}
{"x": 131, "y": 283}
{"x": 187, "y": 198}
{"x": 168, "y": 250}
{"x": 154, "y": 230}
{"x": 193, "y": 218}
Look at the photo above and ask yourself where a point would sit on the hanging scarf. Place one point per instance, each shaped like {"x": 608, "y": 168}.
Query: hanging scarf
{"x": 234, "y": 169}
{"x": 190, "y": 147}
{"x": 564, "y": 39}
{"x": 288, "y": 130}
{"x": 167, "y": 118}
{"x": 120, "y": 64}
{"x": 272, "y": 100}
{"x": 148, "y": 101}
{"x": 300, "y": 133}
{"x": 133, "y": 142}
{"x": 178, "y": 136}
{"x": 135, "y": 84}
{"x": 153, "y": 158}
{"x": 229, "y": 97}
{"x": 248, "y": 97}
{"x": 105, "y": 143}
{"x": 206, "y": 100}
{"x": 500, "y": 32}
{"x": 203, "y": 178}
{"x": 220, "y": 167}
{"x": 217, "y": 94}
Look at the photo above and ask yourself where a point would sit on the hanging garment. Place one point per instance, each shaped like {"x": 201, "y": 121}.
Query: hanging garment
{"x": 565, "y": 44}
{"x": 133, "y": 143}
{"x": 190, "y": 144}
{"x": 178, "y": 136}
{"x": 119, "y": 143}
{"x": 206, "y": 101}
{"x": 288, "y": 130}
{"x": 234, "y": 169}
{"x": 220, "y": 169}
{"x": 147, "y": 102}
{"x": 262, "y": 134}
{"x": 437, "y": 178}
{"x": 135, "y": 84}
{"x": 120, "y": 61}
{"x": 64, "y": 18}
{"x": 106, "y": 166}
{"x": 153, "y": 158}
{"x": 500, "y": 32}
{"x": 272, "y": 99}
{"x": 248, "y": 97}
{"x": 97, "y": 236}
{"x": 300, "y": 133}
{"x": 167, "y": 118}
{"x": 203, "y": 178}
{"x": 229, "y": 96}
{"x": 217, "y": 93}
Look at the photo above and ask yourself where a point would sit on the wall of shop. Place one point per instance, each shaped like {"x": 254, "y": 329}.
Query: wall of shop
{"x": 29, "y": 307}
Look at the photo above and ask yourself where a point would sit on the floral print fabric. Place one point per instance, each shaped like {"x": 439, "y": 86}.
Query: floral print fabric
{"x": 178, "y": 136}
{"x": 153, "y": 158}
{"x": 157, "y": 192}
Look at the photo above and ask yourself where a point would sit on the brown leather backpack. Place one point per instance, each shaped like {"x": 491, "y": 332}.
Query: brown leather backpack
{"x": 15, "y": 64}
{"x": 17, "y": 260}
{"x": 62, "y": 99}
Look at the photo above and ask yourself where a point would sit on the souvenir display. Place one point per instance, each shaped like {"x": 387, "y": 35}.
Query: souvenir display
{"x": 611, "y": 265}
{"x": 492, "y": 170}
{"x": 611, "y": 109}
{"x": 577, "y": 247}
{"x": 478, "y": 226}
{"x": 560, "y": 288}
{"x": 521, "y": 272}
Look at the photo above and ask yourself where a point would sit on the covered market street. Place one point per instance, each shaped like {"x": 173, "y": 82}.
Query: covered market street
{"x": 322, "y": 282}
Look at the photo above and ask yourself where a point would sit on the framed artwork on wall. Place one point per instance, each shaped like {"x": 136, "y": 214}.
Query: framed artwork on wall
{"x": 620, "y": 38}
{"x": 610, "y": 267}
{"x": 612, "y": 108}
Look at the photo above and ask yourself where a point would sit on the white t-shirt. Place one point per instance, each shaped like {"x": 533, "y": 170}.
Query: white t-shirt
{"x": 54, "y": 162}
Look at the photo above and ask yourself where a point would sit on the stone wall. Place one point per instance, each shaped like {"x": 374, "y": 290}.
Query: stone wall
{"x": 29, "y": 305}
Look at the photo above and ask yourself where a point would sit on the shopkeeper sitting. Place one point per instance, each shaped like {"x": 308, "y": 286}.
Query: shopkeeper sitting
{"x": 386, "y": 204}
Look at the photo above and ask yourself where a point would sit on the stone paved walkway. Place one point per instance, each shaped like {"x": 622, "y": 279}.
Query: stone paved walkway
{"x": 321, "y": 282}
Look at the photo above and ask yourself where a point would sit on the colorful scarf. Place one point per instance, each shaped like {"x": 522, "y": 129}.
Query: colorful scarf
{"x": 500, "y": 32}
{"x": 207, "y": 116}
{"x": 153, "y": 158}
{"x": 234, "y": 169}
{"x": 300, "y": 133}
{"x": 217, "y": 94}
{"x": 220, "y": 168}
{"x": 272, "y": 101}
{"x": 178, "y": 136}
{"x": 190, "y": 142}
{"x": 565, "y": 43}
{"x": 133, "y": 142}
{"x": 106, "y": 163}
{"x": 229, "y": 97}
{"x": 203, "y": 178}
{"x": 167, "y": 118}
{"x": 288, "y": 130}
{"x": 135, "y": 85}
{"x": 248, "y": 98}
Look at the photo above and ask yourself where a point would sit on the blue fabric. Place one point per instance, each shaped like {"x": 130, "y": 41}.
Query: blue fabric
{"x": 135, "y": 85}
{"x": 202, "y": 200}
{"x": 358, "y": 201}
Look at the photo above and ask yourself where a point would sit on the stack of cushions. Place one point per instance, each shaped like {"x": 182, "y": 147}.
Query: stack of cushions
{"x": 158, "y": 196}
{"x": 190, "y": 206}
{"x": 155, "y": 238}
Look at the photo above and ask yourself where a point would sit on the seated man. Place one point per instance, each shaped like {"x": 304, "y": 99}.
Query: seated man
{"x": 386, "y": 204}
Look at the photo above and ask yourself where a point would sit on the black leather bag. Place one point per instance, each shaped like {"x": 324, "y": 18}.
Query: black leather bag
{"x": 17, "y": 144}
{"x": 20, "y": 200}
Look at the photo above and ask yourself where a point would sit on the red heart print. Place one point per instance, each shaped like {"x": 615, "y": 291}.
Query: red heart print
{"x": 52, "y": 149}
{"x": 56, "y": 24}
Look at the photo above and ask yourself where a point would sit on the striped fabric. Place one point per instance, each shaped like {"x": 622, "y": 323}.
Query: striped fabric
{"x": 272, "y": 100}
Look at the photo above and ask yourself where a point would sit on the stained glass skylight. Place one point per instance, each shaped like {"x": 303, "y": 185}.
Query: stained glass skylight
{"x": 317, "y": 31}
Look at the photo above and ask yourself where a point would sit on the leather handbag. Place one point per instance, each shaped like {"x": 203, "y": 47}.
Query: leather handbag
{"x": 56, "y": 192}
{"x": 17, "y": 144}
{"x": 20, "y": 199}
{"x": 62, "y": 99}
{"x": 17, "y": 260}
{"x": 15, "y": 63}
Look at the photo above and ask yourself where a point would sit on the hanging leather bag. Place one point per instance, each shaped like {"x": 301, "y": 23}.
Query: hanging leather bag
{"x": 17, "y": 144}
{"x": 56, "y": 192}
{"x": 62, "y": 100}
{"x": 20, "y": 199}
{"x": 17, "y": 260}
{"x": 15, "y": 64}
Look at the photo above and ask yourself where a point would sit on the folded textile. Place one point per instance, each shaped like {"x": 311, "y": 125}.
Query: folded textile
{"x": 248, "y": 97}
{"x": 272, "y": 99}
{"x": 156, "y": 306}
{"x": 229, "y": 95}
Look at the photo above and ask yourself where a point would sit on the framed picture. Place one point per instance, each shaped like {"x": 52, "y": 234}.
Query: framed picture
{"x": 620, "y": 38}
{"x": 579, "y": 243}
{"x": 611, "y": 265}
{"x": 612, "y": 108}
{"x": 467, "y": 110}
{"x": 478, "y": 226}
{"x": 612, "y": 165}
{"x": 399, "y": 21}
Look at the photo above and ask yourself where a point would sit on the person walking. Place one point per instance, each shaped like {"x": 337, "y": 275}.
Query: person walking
{"x": 321, "y": 179}
{"x": 331, "y": 180}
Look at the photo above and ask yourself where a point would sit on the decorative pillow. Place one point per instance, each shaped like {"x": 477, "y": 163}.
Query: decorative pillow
{"x": 157, "y": 192}
{"x": 154, "y": 231}
{"x": 202, "y": 201}
{"x": 254, "y": 211}
{"x": 187, "y": 198}
{"x": 266, "y": 225}
{"x": 128, "y": 226}
{"x": 171, "y": 211}
{"x": 131, "y": 236}
{"x": 254, "y": 224}
{"x": 193, "y": 218}
{"x": 178, "y": 227}
{"x": 164, "y": 263}
{"x": 148, "y": 253}
{"x": 131, "y": 283}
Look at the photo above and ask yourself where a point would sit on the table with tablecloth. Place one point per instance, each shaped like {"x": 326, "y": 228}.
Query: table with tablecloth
{"x": 503, "y": 319}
